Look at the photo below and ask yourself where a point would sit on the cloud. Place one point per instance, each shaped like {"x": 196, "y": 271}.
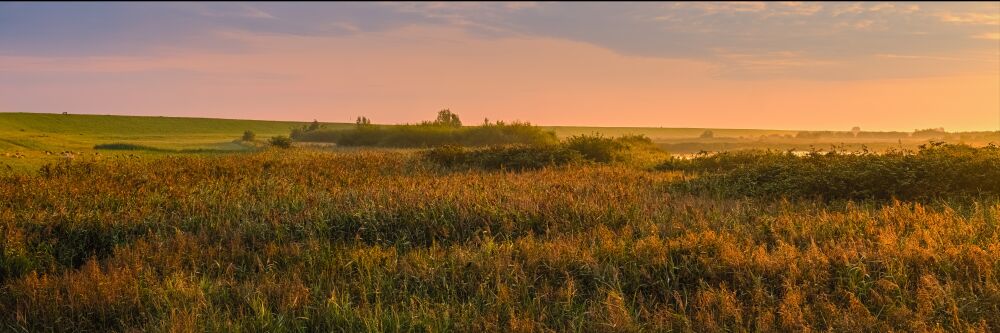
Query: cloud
{"x": 988, "y": 35}
{"x": 970, "y": 18}
{"x": 816, "y": 33}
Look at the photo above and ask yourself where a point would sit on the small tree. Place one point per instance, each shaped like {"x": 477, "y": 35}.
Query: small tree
{"x": 314, "y": 126}
{"x": 855, "y": 130}
{"x": 249, "y": 136}
{"x": 281, "y": 141}
{"x": 446, "y": 118}
{"x": 362, "y": 121}
{"x": 707, "y": 134}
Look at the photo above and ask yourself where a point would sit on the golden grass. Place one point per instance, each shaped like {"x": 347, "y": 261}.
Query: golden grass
{"x": 384, "y": 241}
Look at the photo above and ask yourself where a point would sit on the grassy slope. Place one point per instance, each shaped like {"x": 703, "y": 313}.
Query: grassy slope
{"x": 31, "y": 134}
{"x": 44, "y": 131}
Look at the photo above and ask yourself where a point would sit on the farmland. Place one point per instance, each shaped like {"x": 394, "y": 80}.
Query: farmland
{"x": 330, "y": 239}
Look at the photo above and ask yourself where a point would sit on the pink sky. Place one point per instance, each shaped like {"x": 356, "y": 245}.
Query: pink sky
{"x": 407, "y": 73}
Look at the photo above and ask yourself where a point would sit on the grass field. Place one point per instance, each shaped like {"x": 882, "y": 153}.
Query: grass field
{"x": 308, "y": 240}
{"x": 32, "y": 134}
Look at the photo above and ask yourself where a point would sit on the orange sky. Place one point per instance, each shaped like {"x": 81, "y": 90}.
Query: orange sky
{"x": 406, "y": 73}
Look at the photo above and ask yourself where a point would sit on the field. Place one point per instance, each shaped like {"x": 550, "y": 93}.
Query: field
{"x": 321, "y": 239}
{"x": 28, "y": 136}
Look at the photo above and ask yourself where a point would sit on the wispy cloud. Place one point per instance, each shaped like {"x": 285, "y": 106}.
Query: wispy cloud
{"x": 817, "y": 33}
{"x": 970, "y": 18}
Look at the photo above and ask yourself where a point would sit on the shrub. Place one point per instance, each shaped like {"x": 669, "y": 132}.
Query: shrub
{"x": 603, "y": 150}
{"x": 934, "y": 171}
{"x": 432, "y": 135}
{"x": 281, "y": 141}
{"x": 249, "y": 136}
{"x": 510, "y": 157}
{"x": 596, "y": 148}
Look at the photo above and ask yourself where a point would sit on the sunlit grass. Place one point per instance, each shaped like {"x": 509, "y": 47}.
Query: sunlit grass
{"x": 292, "y": 240}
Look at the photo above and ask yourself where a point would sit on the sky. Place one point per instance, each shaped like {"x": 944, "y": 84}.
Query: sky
{"x": 775, "y": 65}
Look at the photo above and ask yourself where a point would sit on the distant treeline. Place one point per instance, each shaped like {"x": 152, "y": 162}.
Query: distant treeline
{"x": 447, "y": 129}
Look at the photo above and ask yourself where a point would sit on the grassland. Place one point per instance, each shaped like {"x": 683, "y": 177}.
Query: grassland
{"x": 172, "y": 238}
{"x": 31, "y": 135}
{"x": 307, "y": 240}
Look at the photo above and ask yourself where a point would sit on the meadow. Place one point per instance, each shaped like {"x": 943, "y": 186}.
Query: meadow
{"x": 586, "y": 236}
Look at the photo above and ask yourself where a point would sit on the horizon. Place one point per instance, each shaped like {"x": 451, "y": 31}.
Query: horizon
{"x": 780, "y": 66}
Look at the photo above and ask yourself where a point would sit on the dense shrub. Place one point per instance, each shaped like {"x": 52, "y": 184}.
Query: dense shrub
{"x": 933, "y": 171}
{"x": 249, "y": 136}
{"x": 511, "y": 157}
{"x": 431, "y": 135}
{"x": 604, "y": 149}
{"x": 281, "y": 141}
{"x": 521, "y": 156}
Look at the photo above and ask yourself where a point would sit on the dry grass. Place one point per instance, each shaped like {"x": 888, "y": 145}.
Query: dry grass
{"x": 385, "y": 241}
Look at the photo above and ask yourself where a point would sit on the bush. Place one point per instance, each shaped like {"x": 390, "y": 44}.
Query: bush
{"x": 937, "y": 170}
{"x": 432, "y": 135}
{"x": 249, "y": 136}
{"x": 509, "y": 157}
{"x": 281, "y": 141}
{"x": 595, "y": 148}
{"x": 603, "y": 150}
{"x": 532, "y": 156}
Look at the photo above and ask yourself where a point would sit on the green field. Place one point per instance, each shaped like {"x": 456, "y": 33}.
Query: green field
{"x": 34, "y": 134}
{"x": 36, "y": 131}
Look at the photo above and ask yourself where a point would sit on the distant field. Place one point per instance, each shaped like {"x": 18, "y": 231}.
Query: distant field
{"x": 32, "y": 134}
{"x": 56, "y": 131}
{"x": 26, "y": 137}
{"x": 663, "y": 133}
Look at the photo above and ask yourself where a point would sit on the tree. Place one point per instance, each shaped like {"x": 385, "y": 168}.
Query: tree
{"x": 707, "y": 134}
{"x": 314, "y": 126}
{"x": 249, "y": 136}
{"x": 856, "y": 130}
{"x": 362, "y": 121}
{"x": 446, "y": 118}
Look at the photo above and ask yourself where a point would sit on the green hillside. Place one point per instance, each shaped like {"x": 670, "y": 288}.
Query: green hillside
{"x": 57, "y": 132}
{"x": 30, "y": 139}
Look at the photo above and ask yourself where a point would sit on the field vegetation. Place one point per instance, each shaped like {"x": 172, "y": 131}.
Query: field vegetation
{"x": 309, "y": 240}
{"x": 446, "y": 129}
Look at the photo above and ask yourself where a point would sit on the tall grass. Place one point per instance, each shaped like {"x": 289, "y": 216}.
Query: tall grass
{"x": 298, "y": 240}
